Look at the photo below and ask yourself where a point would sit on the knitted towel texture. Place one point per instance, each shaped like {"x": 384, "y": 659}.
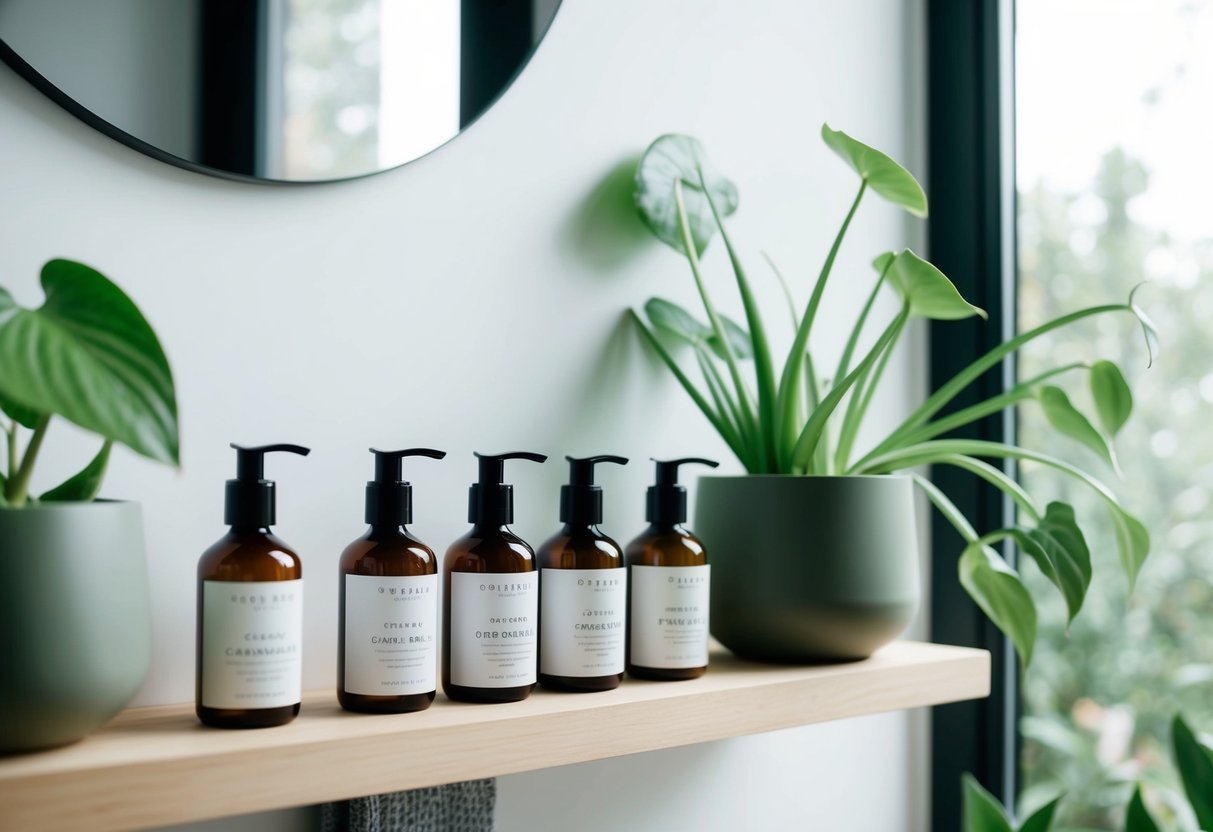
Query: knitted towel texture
{"x": 456, "y": 807}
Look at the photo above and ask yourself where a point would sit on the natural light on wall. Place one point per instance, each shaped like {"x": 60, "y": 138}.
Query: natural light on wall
{"x": 418, "y": 78}
{"x": 1114, "y": 119}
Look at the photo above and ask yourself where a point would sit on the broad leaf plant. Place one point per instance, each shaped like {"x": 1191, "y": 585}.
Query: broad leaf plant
{"x": 1193, "y": 762}
{"x": 88, "y": 356}
{"x": 796, "y": 419}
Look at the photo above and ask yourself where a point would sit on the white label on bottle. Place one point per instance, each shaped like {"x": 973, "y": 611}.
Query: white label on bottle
{"x": 669, "y": 625}
{"x": 390, "y": 628}
{"x": 583, "y": 618}
{"x": 493, "y": 628}
{"x": 252, "y": 643}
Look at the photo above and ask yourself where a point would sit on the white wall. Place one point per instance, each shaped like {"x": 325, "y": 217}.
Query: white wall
{"x": 471, "y": 301}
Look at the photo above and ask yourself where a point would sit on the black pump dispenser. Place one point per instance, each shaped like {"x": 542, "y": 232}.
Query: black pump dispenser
{"x": 667, "y": 500}
{"x": 581, "y": 500}
{"x": 491, "y": 501}
{"x": 389, "y": 499}
{"x": 248, "y": 500}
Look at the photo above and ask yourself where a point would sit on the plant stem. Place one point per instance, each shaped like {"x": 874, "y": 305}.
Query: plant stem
{"x": 996, "y": 404}
{"x": 1132, "y": 539}
{"x": 812, "y": 389}
{"x": 996, "y": 477}
{"x": 861, "y": 397}
{"x": 806, "y": 443}
{"x": 946, "y": 507}
{"x": 18, "y": 485}
{"x": 789, "y": 384}
{"x": 764, "y": 371}
{"x": 812, "y": 384}
{"x": 787, "y": 291}
{"x": 844, "y": 362}
{"x": 949, "y": 390}
{"x": 725, "y": 431}
{"x": 725, "y": 405}
{"x": 818, "y": 290}
{"x": 12, "y": 449}
{"x": 752, "y": 430}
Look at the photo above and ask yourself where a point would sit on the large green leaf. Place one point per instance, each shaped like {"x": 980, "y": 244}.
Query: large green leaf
{"x": 739, "y": 339}
{"x": 1132, "y": 541}
{"x": 1113, "y": 398}
{"x": 881, "y": 262}
{"x": 1069, "y": 421}
{"x": 83, "y": 486}
{"x": 1058, "y": 548}
{"x": 1195, "y": 764}
{"x": 1042, "y": 819}
{"x": 1062, "y": 554}
{"x": 668, "y": 317}
{"x": 1137, "y": 819}
{"x": 1000, "y": 593}
{"x": 677, "y": 158}
{"x": 1132, "y": 538}
{"x": 929, "y": 292}
{"x": 88, "y": 355}
{"x": 982, "y": 811}
{"x": 882, "y": 174}
{"x": 24, "y": 416}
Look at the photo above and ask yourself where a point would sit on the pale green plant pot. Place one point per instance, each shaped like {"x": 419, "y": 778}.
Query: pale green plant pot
{"x": 76, "y": 619}
{"x": 809, "y": 569}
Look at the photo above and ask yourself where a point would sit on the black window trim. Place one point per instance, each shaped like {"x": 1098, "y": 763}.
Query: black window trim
{"x": 971, "y": 238}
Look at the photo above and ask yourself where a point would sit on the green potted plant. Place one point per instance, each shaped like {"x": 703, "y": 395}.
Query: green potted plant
{"x": 1193, "y": 763}
{"x": 74, "y": 604}
{"x": 813, "y": 549}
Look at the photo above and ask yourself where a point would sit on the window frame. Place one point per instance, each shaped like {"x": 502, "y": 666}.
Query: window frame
{"x": 971, "y": 238}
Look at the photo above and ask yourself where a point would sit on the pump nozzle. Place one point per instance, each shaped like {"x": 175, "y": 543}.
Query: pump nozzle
{"x": 389, "y": 500}
{"x": 581, "y": 500}
{"x": 667, "y": 500}
{"x": 249, "y": 498}
{"x": 491, "y": 501}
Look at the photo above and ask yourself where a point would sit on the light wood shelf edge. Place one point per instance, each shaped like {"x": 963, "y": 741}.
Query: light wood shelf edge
{"x": 157, "y": 766}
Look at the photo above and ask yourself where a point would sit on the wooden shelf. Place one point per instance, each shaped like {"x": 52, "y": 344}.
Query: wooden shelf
{"x": 158, "y": 766}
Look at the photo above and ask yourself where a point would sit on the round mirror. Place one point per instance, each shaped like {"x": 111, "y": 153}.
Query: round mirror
{"x": 275, "y": 90}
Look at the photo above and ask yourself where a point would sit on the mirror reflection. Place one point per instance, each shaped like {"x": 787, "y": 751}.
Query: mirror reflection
{"x": 288, "y": 90}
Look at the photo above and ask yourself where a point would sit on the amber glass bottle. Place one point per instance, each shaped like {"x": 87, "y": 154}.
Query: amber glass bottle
{"x": 250, "y": 609}
{"x": 668, "y": 587}
{"x": 583, "y": 592}
{"x": 387, "y": 648}
{"x": 491, "y": 594}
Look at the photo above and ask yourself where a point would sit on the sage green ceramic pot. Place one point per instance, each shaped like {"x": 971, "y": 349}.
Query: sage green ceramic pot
{"x": 808, "y": 569}
{"x": 75, "y": 617}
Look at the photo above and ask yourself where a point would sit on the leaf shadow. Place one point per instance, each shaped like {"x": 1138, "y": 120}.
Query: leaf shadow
{"x": 605, "y": 230}
{"x": 596, "y": 411}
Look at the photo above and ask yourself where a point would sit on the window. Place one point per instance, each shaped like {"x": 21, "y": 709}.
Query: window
{"x": 1113, "y": 124}
{"x": 1067, "y": 164}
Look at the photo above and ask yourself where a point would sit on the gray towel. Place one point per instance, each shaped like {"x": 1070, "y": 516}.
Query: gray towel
{"x": 456, "y": 807}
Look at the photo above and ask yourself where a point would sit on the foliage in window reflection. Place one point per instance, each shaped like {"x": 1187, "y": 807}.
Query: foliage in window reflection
{"x": 331, "y": 88}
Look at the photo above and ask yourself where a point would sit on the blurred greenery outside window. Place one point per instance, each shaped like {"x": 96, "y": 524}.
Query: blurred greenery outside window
{"x": 1114, "y": 111}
